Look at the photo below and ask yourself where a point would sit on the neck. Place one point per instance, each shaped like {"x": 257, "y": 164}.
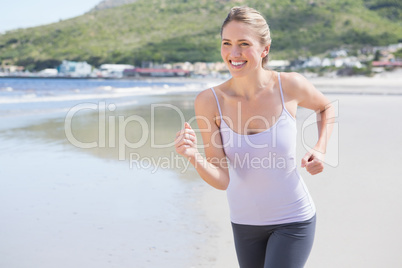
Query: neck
{"x": 249, "y": 86}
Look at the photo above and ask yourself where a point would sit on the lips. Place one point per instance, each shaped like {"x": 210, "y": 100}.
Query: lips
{"x": 237, "y": 64}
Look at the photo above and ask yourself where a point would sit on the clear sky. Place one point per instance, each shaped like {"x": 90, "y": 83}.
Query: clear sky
{"x": 28, "y": 13}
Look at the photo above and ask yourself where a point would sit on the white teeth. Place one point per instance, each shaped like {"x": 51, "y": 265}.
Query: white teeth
{"x": 237, "y": 63}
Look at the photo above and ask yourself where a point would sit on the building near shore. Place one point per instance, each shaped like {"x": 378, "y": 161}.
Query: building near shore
{"x": 74, "y": 69}
{"x": 113, "y": 70}
{"x": 48, "y": 72}
{"x": 153, "y": 72}
{"x": 278, "y": 64}
{"x": 387, "y": 64}
{"x": 7, "y": 67}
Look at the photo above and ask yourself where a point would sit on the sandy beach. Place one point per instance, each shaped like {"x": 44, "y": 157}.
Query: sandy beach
{"x": 64, "y": 206}
{"x": 357, "y": 196}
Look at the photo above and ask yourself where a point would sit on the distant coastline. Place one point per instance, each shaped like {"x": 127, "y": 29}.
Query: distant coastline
{"x": 73, "y": 78}
{"x": 386, "y": 83}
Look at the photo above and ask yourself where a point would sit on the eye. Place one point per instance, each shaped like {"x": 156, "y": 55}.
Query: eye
{"x": 244, "y": 44}
{"x": 226, "y": 43}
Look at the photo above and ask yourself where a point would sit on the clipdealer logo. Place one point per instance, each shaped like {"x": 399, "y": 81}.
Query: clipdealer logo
{"x": 122, "y": 142}
{"x": 175, "y": 161}
{"x": 114, "y": 136}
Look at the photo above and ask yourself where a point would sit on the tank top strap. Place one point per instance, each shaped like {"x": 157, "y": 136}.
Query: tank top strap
{"x": 217, "y": 101}
{"x": 280, "y": 88}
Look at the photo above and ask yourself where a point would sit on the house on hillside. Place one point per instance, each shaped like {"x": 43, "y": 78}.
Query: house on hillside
{"x": 183, "y": 66}
{"x": 339, "y": 53}
{"x": 209, "y": 68}
{"x": 312, "y": 62}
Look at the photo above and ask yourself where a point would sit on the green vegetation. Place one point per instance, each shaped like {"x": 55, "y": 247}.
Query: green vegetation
{"x": 391, "y": 9}
{"x": 398, "y": 54}
{"x": 183, "y": 30}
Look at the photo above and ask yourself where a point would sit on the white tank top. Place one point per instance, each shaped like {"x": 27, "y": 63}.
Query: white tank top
{"x": 265, "y": 187}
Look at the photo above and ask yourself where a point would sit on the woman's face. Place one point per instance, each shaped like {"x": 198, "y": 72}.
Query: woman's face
{"x": 240, "y": 49}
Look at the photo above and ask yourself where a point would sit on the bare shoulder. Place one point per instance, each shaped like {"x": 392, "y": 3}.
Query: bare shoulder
{"x": 204, "y": 96}
{"x": 204, "y": 106}
{"x": 204, "y": 99}
{"x": 297, "y": 87}
{"x": 293, "y": 83}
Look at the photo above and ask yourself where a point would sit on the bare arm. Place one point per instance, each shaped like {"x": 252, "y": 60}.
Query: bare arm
{"x": 213, "y": 167}
{"x": 309, "y": 97}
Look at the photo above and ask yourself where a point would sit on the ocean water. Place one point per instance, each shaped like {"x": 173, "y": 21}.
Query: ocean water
{"x": 109, "y": 119}
{"x": 40, "y": 95}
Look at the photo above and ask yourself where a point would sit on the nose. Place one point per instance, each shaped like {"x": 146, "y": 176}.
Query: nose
{"x": 236, "y": 52}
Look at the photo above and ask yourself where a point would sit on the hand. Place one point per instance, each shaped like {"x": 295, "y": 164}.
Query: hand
{"x": 312, "y": 161}
{"x": 186, "y": 142}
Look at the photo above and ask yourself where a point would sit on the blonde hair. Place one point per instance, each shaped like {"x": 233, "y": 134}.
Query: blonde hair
{"x": 251, "y": 17}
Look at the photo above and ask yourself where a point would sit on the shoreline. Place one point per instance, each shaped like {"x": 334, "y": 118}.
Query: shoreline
{"x": 388, "y": 83}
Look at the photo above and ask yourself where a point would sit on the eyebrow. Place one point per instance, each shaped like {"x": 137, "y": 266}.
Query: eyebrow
{"x": 241, "y": 40}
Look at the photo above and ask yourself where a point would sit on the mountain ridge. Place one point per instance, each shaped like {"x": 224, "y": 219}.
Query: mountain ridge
{"x": 180, "y": 30}
{"x": 106, "y": 4}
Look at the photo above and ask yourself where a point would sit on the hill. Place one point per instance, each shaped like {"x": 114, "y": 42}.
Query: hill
{"x": 182, "y": 30}
{"x": 105, "y": 4}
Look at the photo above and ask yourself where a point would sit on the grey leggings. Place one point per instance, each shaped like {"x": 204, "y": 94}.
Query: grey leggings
{"x": 271, "y": 246}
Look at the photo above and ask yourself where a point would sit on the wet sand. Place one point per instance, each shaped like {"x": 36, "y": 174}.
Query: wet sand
{"x": 69, "y": 207}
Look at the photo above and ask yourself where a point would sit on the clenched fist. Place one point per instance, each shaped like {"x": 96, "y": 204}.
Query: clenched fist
{"x": 186, "y": 142}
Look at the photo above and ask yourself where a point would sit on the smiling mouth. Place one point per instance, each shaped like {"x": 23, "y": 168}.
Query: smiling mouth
{"x": 237, "y": 63}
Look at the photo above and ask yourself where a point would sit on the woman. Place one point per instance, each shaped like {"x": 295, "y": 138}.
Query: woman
{"x": 249, "y": 133}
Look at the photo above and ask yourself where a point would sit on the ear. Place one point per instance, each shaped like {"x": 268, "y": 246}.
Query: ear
{"x": 265, "y": 51}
